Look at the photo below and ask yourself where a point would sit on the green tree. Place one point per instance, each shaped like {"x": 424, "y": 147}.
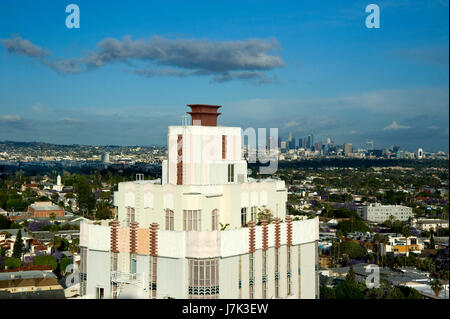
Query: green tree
{"x": 66, "y": 261}
{"x": 4, "y": 222}
{"x": 346, "y": 290}
{"x": 351, "y": 276}
{"x": 327, "y": 292}
{"x": 444, "y": 275}
{"x": 348, "y": 226}
{"x": 57, "y": 242}
{"x": 46, "y": 260}
{"x": 12, "y": 262}
{"x": 351, "y": 249}
{"x": 18, "y": 245}
{"x": 432, "y": 244}
{"x": 436, "y": 286}
{"x": 102, "y": 211}
{"x": 86, "y": 199}
{"x": 52, "y": 217}
{"x": 266, "y": 214}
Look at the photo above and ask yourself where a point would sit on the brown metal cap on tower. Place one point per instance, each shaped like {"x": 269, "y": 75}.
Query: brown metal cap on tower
{"x": 204, "y": 114}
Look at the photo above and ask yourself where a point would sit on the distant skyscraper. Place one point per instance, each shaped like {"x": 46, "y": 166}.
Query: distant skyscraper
{"x": 105, "y": 157}
{"x": 369, "y": 145}
{"x": 419, "y": 153}
{"x": 310, "y": 141}
{"x": 300, "y": 142}
{"x": 318, "y": 146}
{"x": 348, "y": 148}
{"x": 395, "y": 148}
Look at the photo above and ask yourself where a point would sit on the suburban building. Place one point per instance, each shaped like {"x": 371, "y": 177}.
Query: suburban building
{"x": 400, "y": 245}
{"x": 33, "y": 186}
{"x": 44, "y": 209}
{"x": 380, "y": 213}
{"x": 198, "y": 232}
{"x": 32, "y": 280}
{"x": 427, "y": 224}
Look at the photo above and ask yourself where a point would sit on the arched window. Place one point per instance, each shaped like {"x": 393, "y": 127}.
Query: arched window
{"x": 169, "y": 220}
{"x": 215, "y": 219}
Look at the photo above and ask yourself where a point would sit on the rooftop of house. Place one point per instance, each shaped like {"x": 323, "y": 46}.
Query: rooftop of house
{"x": 13, "y": 274}
{"x": 393, "y": 276}
{"x": 45, "y": 206}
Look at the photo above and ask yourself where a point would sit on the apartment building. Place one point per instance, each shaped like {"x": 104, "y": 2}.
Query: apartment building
{"x": 380, "y": 213}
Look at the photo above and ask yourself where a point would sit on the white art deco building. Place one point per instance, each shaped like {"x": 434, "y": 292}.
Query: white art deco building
{"x": 196, "y": 232}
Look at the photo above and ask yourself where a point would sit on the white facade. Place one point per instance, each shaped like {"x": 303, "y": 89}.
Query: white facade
{"x": 203, "y": 205}
{"x": 229, "y": 248}
{"x": 380, "y": 213}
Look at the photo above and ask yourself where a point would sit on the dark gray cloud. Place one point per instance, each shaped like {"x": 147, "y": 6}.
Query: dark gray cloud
{"x": 225, "y": 61}
{"x": 19, "y": 46}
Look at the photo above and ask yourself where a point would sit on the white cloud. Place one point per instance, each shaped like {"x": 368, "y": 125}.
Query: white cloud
{"x": 224, "y": 60}
{"x": 37, "y": 108}
{"x": 395, "y": 126}
{"x": 291, "y": 124}
{"x": 11, "y": 118}
{"x": 68, "y": 120}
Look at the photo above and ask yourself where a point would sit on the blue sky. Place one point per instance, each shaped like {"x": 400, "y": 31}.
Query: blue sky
{"x": 301, "y": 66}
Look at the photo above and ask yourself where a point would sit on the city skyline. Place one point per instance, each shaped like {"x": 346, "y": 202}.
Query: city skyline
{"x": 300, "y": 67}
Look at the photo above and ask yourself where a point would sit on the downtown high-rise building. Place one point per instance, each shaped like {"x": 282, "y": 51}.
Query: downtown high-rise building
{"x": 348, "y": 149}
{"x": 204, "y": 230}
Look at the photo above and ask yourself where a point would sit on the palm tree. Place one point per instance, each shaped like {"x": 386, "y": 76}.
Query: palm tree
{"x": 444, "y": 276}
{"x": 406, "y": 232}
{"x": 436, "y": 286}
{"x": 56, "y": 243}
{"x": 52, "y": 217}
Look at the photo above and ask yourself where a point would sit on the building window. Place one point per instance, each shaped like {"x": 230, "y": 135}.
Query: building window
{"x": 203, "y": 278}
{"x": 133, "y": 262}
{"x": 244, "y": 216}
{"x": 215, "y": 219}
{"x": 99, "y": 293}
{"x": 130, "y": 215}
{"x": 251, "y": 276}
{"x": 169, "y": 220}
{"x": 191, "y": 220}
{"x": 253, "y": 217}
{"x": 230, "y": 173}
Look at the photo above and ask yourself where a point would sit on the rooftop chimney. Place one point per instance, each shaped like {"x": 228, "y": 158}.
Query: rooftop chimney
{"x": 206, "y": 114}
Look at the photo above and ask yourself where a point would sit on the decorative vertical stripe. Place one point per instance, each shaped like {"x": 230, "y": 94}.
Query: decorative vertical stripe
{"x": 276, "y": 221}
{"x": 180, "y": 160}
{"x": 288, "y": 248}
{"x": 289, "y": 230}
{"x": 115, "y": 236}
{"x": 133, "y": 237}
{"x": 224, "y": 146}
{"x": 251, "y": 250}
{"x": 251, "y": 236}
{"x": 299, "y": 273}
{"x": 265, "y": 237}
{"x": 153, "y": 257}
